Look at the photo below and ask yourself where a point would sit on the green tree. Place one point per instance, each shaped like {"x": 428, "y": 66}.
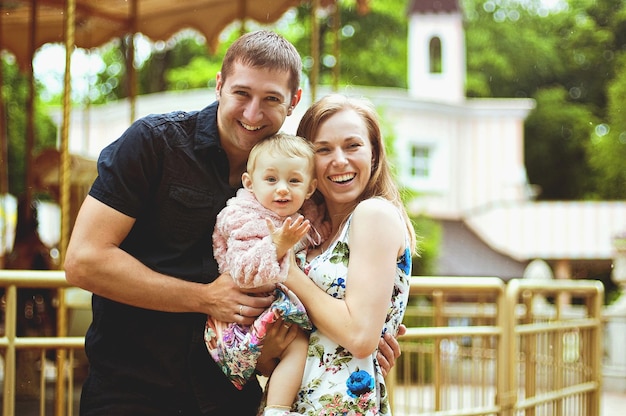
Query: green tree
{"x": 554, "y": 146}
{"x": 196, "y": 67}
{"x": 519, "y": 49}
{"x": 372, "y": 47}
{"x": 110, "y": 82}
{"x": 587, "y": 48}
{"x": 510, "y": 49}
{"x": 428, "y": 242}
{"x": 15, "y": 95}
{"x": 608, "y": 144}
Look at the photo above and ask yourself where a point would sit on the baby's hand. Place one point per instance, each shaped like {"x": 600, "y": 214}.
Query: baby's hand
{"x": 288, "y": 234}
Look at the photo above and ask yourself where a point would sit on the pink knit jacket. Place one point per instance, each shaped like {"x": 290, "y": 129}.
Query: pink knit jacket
{"x": 242, "y": 245}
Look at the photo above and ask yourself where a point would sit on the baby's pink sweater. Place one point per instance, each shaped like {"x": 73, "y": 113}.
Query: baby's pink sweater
{"x": 242, "y": 244}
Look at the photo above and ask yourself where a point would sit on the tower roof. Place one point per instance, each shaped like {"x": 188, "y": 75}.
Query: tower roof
{"x": 433, "y": 6}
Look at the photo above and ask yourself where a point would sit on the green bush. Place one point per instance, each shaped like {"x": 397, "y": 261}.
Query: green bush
{"x": 428, "y": 241}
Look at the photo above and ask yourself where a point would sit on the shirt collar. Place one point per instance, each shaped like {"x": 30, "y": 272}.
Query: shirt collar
{"x": 207, "y": 133}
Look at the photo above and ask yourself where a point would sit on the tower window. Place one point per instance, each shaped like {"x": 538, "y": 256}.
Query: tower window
{"x": 420, "y": 162}
{"x": 435, "y": 55}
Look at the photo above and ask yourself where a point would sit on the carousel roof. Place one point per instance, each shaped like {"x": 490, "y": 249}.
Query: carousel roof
{"x": 97, "y": 21}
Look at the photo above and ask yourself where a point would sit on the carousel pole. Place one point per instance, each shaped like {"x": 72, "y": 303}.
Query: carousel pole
{"x": 64, "y": 171}
{"x": 243, "y": 12}
{"x": 336, "y": 44}
{"x": 131, "y": 79}
{"x": 8, "y": 390}
{"x": 30, "y": 113}
{"x": 4, "y": 161}
{"x": 64, "y": 199}
{"x": 315, "y": 49}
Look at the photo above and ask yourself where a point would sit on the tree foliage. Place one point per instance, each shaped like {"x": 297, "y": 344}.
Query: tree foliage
{"x": 608, "y": 141}
{"x": 565, "y": 59}
{"x": 372, "y": 47}
{"x": 15, "y": 96}
{"x": 554, "y": 145}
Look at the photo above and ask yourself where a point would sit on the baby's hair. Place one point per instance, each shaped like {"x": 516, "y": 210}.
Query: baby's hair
{"x": 283, "y": 144}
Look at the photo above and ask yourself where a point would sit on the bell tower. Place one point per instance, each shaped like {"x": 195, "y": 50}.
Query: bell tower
{"x": 436, "y": 51}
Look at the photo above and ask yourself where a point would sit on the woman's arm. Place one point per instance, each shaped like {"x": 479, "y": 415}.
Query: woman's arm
{"x": 376, "y": 237}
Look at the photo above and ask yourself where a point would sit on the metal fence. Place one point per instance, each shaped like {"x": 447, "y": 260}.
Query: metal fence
{"x": 64, "y": 347}
{"x": 474, "y": 346}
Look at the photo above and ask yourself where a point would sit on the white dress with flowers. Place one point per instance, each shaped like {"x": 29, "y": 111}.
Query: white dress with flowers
{"x": 334, "y": 382}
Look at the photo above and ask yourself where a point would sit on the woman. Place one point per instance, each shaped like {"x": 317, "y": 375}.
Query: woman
{"x": 363, "y": 267}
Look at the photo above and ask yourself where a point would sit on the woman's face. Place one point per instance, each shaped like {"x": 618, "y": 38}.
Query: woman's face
{"x": 343, "y": 157}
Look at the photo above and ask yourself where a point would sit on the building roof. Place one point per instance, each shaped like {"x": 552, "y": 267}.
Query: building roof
{"x": 581, "y": 230}
{"x": 463, "y": 253}
{"x": 433, "y": 6}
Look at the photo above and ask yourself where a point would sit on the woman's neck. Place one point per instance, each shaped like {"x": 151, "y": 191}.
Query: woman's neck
{"x": 338, "y": 213}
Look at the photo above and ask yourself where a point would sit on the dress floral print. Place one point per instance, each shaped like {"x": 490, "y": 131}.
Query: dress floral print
{"x": 336, "y": 383}
{"x": 236, "y": 348}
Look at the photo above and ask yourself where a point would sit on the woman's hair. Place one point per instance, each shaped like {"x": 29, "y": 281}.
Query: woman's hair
{"x": 285, "y": 145}
{"x": 381, "y": 183}
{"x": 264, "y": 49}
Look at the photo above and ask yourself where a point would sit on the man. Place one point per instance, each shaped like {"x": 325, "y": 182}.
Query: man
{"x": 142, "y": 244}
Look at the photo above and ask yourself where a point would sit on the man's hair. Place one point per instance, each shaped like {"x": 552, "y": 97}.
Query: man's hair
{"x": 264, "y": 49}
{"x": 285, "y": 145}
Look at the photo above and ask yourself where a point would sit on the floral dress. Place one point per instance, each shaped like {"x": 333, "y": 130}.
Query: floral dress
{"x": 334, "y": 382}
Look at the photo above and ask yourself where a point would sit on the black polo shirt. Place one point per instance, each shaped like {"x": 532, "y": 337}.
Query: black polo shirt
{"x": 168, "y": 172}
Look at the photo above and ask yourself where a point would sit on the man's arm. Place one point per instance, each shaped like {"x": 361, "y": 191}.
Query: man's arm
{"x": 95, "y": 263}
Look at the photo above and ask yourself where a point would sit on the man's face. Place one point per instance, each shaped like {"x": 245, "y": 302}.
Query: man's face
{"x": 254, "y": 103}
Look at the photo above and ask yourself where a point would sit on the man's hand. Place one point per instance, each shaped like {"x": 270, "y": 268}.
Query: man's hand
{"x": 279, "y": 336}
{"x": 389, "y": 351}
{"x": 225, "y": 301}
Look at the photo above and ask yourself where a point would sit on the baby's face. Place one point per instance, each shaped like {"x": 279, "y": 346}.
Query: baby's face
{"x": 282, "y": 184}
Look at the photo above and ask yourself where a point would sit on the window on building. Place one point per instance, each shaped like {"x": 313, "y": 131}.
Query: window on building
{"x": 435, "y": 55}
{"x": 420, "y": 162}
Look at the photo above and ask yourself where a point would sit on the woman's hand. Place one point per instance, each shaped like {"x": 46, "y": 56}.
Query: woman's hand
{"x": 279, "y": 335}
{"x": 389, "y": 350}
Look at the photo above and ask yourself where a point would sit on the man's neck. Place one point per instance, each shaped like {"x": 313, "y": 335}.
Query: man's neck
{"x": 234, "y": 178}
{"x": 237, "y": 166}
